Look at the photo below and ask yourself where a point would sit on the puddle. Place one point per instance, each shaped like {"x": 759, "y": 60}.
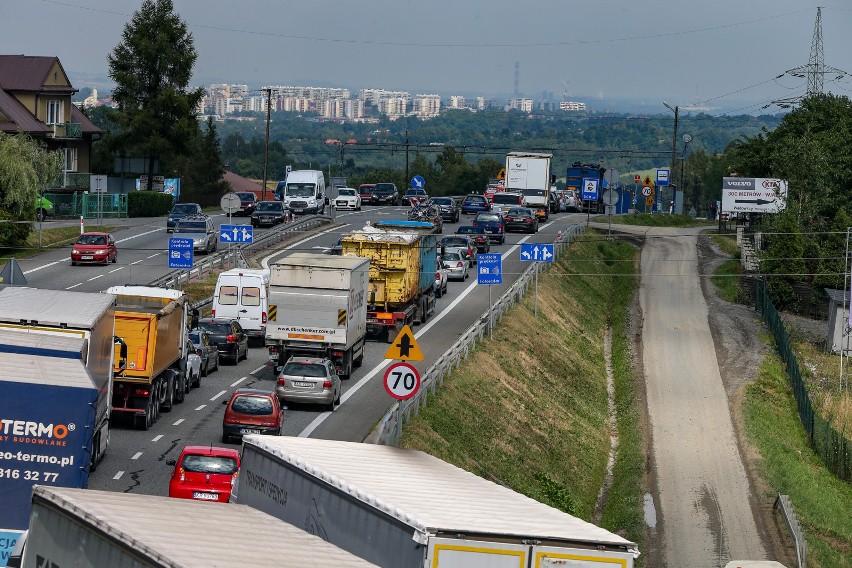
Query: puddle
{"x": 650, "y": 511}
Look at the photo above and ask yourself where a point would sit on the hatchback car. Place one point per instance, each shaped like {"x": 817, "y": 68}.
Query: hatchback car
{"x": 268, "y": 214}
{"x": 206, "y": 349}
{"x": 347, "y": 198}
{"x": 520, "y": 219}
{"x": 456, "y": 263}
{"x": 478, "y": 236}
{"x": 179, "y": 211}
{"x": 311, "y": 380}
{"x": 448, "y": 208}
{"x": 204, "y": 473}
{"x": 252, "y": 411}
{"x": 461, "y": 242}
{"x": 493, "y": 225}
{"x": 385, "y": 194}
{"x": 248, "y": 203}
{"x": 202, "y": 231}
{"x": 473, "y": 204}
{"x": 440, "y": 279}
{"x": 365, "y": 192}
{"x": 504, "y": 201}
{"x": 414, "y": 195}
{"x": 228, "y": 335}
{"x": 94, "y": 248}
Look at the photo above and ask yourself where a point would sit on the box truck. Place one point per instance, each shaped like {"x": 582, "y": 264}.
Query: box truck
{"x": 529, "y": 174}
{"x": 98, "y": 529}
{"x": 403, "y": 261}
{"x": 402, "y": 508}
{"x": 153, "y": 323}
{"x": 318, "y": 308}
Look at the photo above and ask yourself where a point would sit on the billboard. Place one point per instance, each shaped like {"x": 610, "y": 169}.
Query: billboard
{"x": 753, "y": 195}
{"x": 169, "y": 186}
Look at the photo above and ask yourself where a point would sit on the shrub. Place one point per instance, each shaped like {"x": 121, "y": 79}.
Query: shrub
{"x": 148, "y": 204}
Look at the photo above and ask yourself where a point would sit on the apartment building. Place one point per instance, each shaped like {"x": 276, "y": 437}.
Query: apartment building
{"x": 572, "y": 105}
{"x": 523, "y": 105}
{"x": 457, "y": 101}
{"x": 426, "y": 106}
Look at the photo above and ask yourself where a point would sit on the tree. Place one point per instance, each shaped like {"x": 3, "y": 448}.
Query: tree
{"x": 152, "y": 67}
{"x": 201, "y": 170}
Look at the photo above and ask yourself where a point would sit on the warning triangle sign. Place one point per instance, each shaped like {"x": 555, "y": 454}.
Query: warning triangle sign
{"x": 404, "y": 347}
{"x": 11, "y": 275}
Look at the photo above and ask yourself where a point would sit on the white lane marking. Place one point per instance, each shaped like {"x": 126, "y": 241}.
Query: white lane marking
{"x": 259, "y": 369}
{"x": 152, "y": 256}
{"x": 178, "y": 422}
{"x": 139, "y": 235}
{"x": 380, "y": 367}
{"x": 136, "y": 456}
{"x": 74, "y": 286}
{"x": 157, "y": 438}
{"x": 238, "y": 381}
{"x": 137, "y": 262}
{"x": 118, "y": 475}
{"x": 116, "y": 269}
{"x": 202, "y": 406}
{"x": 96, "y": 277}
{"x": 265, "y": 262}
{"x": 218, "y": 395}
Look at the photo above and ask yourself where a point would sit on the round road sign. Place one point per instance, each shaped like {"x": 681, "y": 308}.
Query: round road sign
{"x": 230, "y": 203}
{"x": 402, "y": 380}
{"x": 610, "y": 197}
{"x": 647, "y": 191}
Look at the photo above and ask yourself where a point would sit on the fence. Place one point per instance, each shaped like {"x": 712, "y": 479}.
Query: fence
{"x": 791, "y": 519}
{"x": 88, "y": 205}
{"x": 832, "y": 446}
{"x": 389, "y": 430}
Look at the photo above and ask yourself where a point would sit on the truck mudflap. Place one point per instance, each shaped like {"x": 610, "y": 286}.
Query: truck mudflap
{"x": 390, "y": 323}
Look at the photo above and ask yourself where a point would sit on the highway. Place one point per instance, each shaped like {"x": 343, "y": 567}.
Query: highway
{"x": 136, "y": 460}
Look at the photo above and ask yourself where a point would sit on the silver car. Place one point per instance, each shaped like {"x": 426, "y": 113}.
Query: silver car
{"x": 311, "y": 380}
{"x": 201, "y": 230}
{"x": 456, "y": 263}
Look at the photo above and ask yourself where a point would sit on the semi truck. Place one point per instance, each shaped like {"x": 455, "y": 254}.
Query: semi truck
{"x": 401, "y": 508}
{"x": 403, "y": 261}
{"x": 529, "y": 174}
{"x": 87, "y": 317}
{"x": 318, "y": 308}
{"x": 153, "y": 323}
{"x": 579, "y": 171}
{"x": 87, "y": 528}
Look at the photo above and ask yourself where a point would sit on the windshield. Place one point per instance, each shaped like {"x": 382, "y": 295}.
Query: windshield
{"x": 475, "y": 199}
{"x": 91, "y": 240}
{"x": 221, "y": 328}
{"x": 191, "y": 227}
{"x": 270, "y": 206}
{"x": 300, "y": 189}
{"x": 452, "y": 256}
{"x": 385, "y": 188}
{"x": 185, "y": 208}
{"x": 209, "y": 464}
{"x": 247, "y": 196}
{"x": 506, "y": 199}
{"x": 304, "y": 370}
{"x": 347, "y": 192}
{"x": 254, "y": 405}
{"x": 488, "y": 218}
{"x": 415, "y": 192}
{"x": 470, "y": 230}
{"x": 520, "y": 212}
{"x": 455, "y": 241}
{"x": 442, "y": 200}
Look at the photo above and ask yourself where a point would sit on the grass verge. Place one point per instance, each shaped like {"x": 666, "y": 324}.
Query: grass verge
{"x": 529, "y": 408}
{"x": 50, "y": 238}
{"x": 789, "y": 466}
{"x": 658, "y": 220}
{"x": 727, "y": 280}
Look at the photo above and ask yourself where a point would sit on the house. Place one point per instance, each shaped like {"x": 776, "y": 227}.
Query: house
{"x": 35, "y": 98}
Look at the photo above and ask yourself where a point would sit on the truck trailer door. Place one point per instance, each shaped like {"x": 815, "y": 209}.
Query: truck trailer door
{"x": 455, "y": 553}
{"x": 552, "y": 557}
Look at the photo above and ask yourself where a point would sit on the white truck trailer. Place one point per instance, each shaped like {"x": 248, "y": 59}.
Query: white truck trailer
{"x": 529, "y": 174}
{"x": 318, "y": 308}
{"x": 98, "y": 529}
{"x": 403, "y": 508}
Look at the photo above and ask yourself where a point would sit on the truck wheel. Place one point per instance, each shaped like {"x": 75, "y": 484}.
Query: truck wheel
{"x": 96, "y": 451}
{"x": 169, "y": 400}
{"x": 180, "y": 393}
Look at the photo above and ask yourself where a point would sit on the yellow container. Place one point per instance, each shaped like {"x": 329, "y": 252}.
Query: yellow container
{"x": 152, "y": 331}
{"x": 394, "y": 265}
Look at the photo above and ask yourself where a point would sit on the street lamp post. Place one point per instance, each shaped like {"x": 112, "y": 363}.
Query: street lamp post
{"x": 686, "y": 140}
{"x": 674, "y": 140}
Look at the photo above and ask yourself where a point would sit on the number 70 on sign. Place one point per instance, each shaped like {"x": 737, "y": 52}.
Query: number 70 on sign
{"x": 402, "y": 380}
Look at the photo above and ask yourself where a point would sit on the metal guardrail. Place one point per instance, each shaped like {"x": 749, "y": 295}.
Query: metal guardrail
{"x": 784, "y": 503}
{"x": 389, "y": 430}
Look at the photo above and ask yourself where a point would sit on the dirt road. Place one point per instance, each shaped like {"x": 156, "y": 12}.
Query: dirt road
{"x": 703, "y": 499}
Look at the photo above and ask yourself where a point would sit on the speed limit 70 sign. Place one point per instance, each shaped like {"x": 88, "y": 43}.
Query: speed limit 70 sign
{"x": 402, "y": 380}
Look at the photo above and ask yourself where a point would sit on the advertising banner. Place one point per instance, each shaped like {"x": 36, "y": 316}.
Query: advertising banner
{"x": 753, "y": 195}
{"x": 169, "y": 186}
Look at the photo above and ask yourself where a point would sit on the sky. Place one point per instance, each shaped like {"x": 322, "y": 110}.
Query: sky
{"x": 721, "y": 54}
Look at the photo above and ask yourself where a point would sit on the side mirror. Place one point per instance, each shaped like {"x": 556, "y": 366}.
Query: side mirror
{"x": 171, "y": 462}
{"x": 224, "y": 402}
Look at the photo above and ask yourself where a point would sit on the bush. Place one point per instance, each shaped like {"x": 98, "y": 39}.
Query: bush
{"x": 148, "y": 204}
{"x": 13, "y": 233}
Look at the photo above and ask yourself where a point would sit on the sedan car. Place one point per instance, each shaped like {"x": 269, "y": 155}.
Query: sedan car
{"x": 309, "y": 379}
{"x": 572, "y": 201}
{"x": 478, "y": 236}
{"x": 520, "y": 219}
{"x": 448, "y": 208}
{"x": 193, "y": 368}
{"x": 248, "y": 203}
{"x": 202, "y": 231}
{"x": 473, "y": 204}
{"x": 204, "y": 473}
{"x": 94, "y": 248}
{"x": 440, "y": 279}
{"x": 179, "y": 211}
{"x": 457, "y": 265}
{"x": 268, "y": 214}
{"x": 206, "y": 349}
{"x": 385, "y": 194}
{"x": 461, "y": 242}
{"x": 414, "y": 195}
{"x": 348, "y": 198}
{"x": 252, "y": 411}
{"x": 228, "y": 335}
{"x": 366, "y": 192}
{"x": 493, "y": 225}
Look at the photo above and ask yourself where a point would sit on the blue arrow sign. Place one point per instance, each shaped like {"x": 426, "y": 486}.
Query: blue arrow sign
{"x": 537, "y": 252}
{"x": 181, "y": 254}
{"x": 417, "y": 182}
{"x": 590, "y": 189}
{"x": 489, "y": 269}
{"x": 242, "y": 234}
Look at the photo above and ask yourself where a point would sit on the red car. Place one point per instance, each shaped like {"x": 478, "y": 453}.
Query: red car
{"x": 252, "y": 411}
{"x": 204, "y": 473}
{"x": 94, "y": 248}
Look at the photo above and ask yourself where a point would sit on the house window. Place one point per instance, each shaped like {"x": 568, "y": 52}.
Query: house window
{"x": 54, "y": 112}
{"x": 70, "y": 159}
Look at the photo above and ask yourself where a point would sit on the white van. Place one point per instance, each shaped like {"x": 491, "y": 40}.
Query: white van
{"x": 241, "y": 294}
{"x": 304, "y": 192}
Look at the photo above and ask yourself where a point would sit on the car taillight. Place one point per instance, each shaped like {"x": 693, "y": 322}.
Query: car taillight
{"x": 507, "y": 218}
{"x": 282, "y": 381}
{"x": 141, "y": 392}
{"x": 231, "y": 338}
{"x": 231, "y": 420}
{"x": 326, "y": 384}
{"x": 336, "y": 353}
{"x": 263, "y": 317}
{"x": 469, "y": 251}
{"x": 234, "y": 478}
{"x": 437, "y": 276}
{"x": 269, "y": 423}
{"x": 273, "y": 350}
{"x": 182, "y": 474}
{"x": 213, "y": 313}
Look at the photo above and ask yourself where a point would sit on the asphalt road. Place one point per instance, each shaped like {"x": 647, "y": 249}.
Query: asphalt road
{"x": 135, "y": 460}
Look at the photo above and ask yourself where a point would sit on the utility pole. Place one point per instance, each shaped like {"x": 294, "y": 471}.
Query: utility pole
{"x": 266, "y": 145}
{"x": 674, "y": 145}
{"x": 406, "y": 157}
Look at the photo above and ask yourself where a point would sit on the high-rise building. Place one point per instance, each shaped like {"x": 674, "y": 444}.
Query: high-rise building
{"x": 394, "y": 107}
{"x": 426, "y": 106}
{"x": 457, "y": 101}
{"x": 480, "y": 103}
{"x": 523, "y": 105}
{"x": 572, "y": 105}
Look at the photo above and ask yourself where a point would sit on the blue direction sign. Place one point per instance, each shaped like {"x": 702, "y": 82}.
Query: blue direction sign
{"x": 417, "y": 182}
{"x": 663, "y": 176}
{"x": 489, "y": 269}
{"x": 181, "y": 254}
{"x": 537, "y": 252}
{"x": 236, "y": 234}
{"x": 590, "y": 189}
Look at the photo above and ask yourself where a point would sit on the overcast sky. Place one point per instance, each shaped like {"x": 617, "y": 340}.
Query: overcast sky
{"x": 713, "y": 53}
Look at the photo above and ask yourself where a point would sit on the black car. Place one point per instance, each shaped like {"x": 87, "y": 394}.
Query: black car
{"x": 478, "y": 236}
{"x": 448, "y": 208}
{"x": 385, "y": 194}
{"x": 179, "y": 211}
{"x": 268, "y": 214}
{"x": 248, "y": 203}
{"x": 229, "y": 337}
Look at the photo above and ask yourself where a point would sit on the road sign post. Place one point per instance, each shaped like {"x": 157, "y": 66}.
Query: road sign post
{"x": 242, "y": 234}
{"x": 536, "y": 253}
{"x": 181, "y": 253}
{"x": 489, "y": 270}
{"x": 404, "y": 347}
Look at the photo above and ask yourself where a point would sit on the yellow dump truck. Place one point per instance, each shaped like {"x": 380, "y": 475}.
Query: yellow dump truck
{"x": 153, "y": 323}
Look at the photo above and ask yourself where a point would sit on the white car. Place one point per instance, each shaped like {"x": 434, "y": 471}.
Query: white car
{"x": 193, "y": 367}
{"x": 440, "y": 279}
{"x": 348, "y": 198}
{"x": 456, "y": 263}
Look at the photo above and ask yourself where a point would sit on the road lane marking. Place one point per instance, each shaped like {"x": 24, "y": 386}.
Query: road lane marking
{"x": 202, "y": 406}
{"x": 218, "y": 395}
{"x": 178, "y": 422}
{"x": 137, "y": 261}
{"x": 116, "y": 269}
{"x": 139, "y": 235}
{"x": 136, "y": 456}
{"x": 153, "y": 255}
{"x": 157, "y": 438}
{"x": 74, "y": 286}
{"x": 238, "y": 381}
{"x": 118, "y": 475}
{"x": 259, "y": 369}
{"x": 96, "y": 277}
{"x": 265, "y": 262}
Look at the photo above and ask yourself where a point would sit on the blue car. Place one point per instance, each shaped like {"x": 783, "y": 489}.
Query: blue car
{"x": 493, "y": 225}
{"x": 179, "y": 211}
{"x": 474, "y": 204}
